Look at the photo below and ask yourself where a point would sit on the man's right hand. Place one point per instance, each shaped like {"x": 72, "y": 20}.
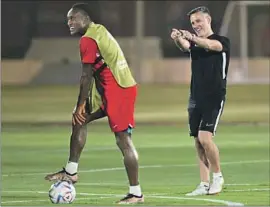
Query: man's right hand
{"x": 73, "y": 118}
{"x": 78, "y": 116}
{"x": 179, "y": 39}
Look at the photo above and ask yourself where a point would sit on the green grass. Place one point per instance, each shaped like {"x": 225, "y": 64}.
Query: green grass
{"x": 167, "y": 158}
{"x": 245, "y": 103}
{"x": 167, "y": 155}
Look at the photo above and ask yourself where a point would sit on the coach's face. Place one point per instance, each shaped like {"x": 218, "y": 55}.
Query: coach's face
{"x": 75, "y": 21}
{"x": 201, "y": 23}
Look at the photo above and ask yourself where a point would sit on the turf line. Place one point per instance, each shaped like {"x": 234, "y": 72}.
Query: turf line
{"x": 228, "y": 203}
{"x": 248, "y": 190}
{"x": 141, "y": 167}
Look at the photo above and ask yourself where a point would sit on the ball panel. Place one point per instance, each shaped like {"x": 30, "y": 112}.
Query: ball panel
{"x": 62, "y": 192}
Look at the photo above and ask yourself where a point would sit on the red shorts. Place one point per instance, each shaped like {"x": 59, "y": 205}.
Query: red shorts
{"x": 119, "y": 105}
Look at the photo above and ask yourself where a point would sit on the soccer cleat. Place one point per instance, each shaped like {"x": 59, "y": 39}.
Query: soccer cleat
{"x": 200, "y": 190}
{"x": 131, "y": 199}
{"x": 216, "y": 186}
{"x": 62, "y": 175}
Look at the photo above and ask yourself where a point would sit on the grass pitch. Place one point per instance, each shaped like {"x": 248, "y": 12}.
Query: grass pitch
{"x": 35, "y": 139}
{"x": 167, "y": 160}
{"x": 155, "y": 103}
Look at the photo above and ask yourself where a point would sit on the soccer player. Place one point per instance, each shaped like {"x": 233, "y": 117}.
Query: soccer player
{"x": 210, "y": 55}
{"x": 107, "y": 88}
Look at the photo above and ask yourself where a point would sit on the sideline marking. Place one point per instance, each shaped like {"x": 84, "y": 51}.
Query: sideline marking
{"x": 141, "y": 167}
{"x": 228, "y": 203}
{"x": 248, "y": 190}
{"x": 125, "y": 184}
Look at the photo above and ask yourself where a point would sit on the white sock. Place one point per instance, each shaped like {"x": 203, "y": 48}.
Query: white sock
{"x": 206, "y": 184}
{"x": 215, "y": 175}
{"x": 72, "y": 167}
{"x": 135, "y": 190}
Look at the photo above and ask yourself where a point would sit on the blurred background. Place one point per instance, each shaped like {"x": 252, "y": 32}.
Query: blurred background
{"x": 39, "y": 55}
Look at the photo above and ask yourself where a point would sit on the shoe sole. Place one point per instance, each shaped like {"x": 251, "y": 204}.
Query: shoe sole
{"x": 197, "y": 195}
{"x": 216, "y": 193}
{"x": 130, "y": 203}
{"x": 56, "y": 180}
{"x": 138, "y": 202}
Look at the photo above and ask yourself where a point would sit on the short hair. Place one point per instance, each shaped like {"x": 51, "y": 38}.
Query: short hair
{"x": 83, "y": 7}
{"x": 203, "y": 9}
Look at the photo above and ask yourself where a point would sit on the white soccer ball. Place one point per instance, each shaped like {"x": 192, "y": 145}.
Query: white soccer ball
{"x": 62, "y": 192}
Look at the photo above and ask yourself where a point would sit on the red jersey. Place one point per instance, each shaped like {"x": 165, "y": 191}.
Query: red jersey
{"x": 90, "y": 54}
{"x": 118, "y": 102}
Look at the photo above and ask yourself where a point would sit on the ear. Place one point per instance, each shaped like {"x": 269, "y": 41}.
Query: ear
{"x": 209, "y": 19}
{"x": 85, "y": 19}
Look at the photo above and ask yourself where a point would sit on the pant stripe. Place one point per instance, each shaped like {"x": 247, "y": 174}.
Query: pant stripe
{"x": 218, "y": 117}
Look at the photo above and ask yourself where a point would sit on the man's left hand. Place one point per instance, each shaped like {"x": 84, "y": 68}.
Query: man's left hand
{"x": 187, "y": 35}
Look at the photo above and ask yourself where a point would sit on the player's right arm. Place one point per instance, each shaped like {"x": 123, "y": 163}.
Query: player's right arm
{"x": 88, "y": 50}
{"x": 180, "y": 42}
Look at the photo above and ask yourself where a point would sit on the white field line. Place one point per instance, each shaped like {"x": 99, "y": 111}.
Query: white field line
{"x": 114, "y": 148}
{"x": 248, "y": 190}
{"x": 141, "y": 167}
{"x": 228, "y": 203}
{"x": 243, "y": 184}
{"x": 125, "y": 184}
{"x": 32, "y": 201}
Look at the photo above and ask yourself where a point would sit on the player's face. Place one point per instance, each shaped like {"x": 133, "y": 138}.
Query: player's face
{"x": 75, "y": 21}
{"x": 201, "y": 23}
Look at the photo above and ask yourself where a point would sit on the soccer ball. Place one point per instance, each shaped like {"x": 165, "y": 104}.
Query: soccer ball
{"x": 62, "y": 192}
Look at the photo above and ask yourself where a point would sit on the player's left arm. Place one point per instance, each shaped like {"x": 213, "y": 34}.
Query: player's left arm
{"x": 219, "y": 44}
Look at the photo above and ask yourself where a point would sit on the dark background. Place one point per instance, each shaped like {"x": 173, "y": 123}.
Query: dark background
{"x": 22, "y": 21}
